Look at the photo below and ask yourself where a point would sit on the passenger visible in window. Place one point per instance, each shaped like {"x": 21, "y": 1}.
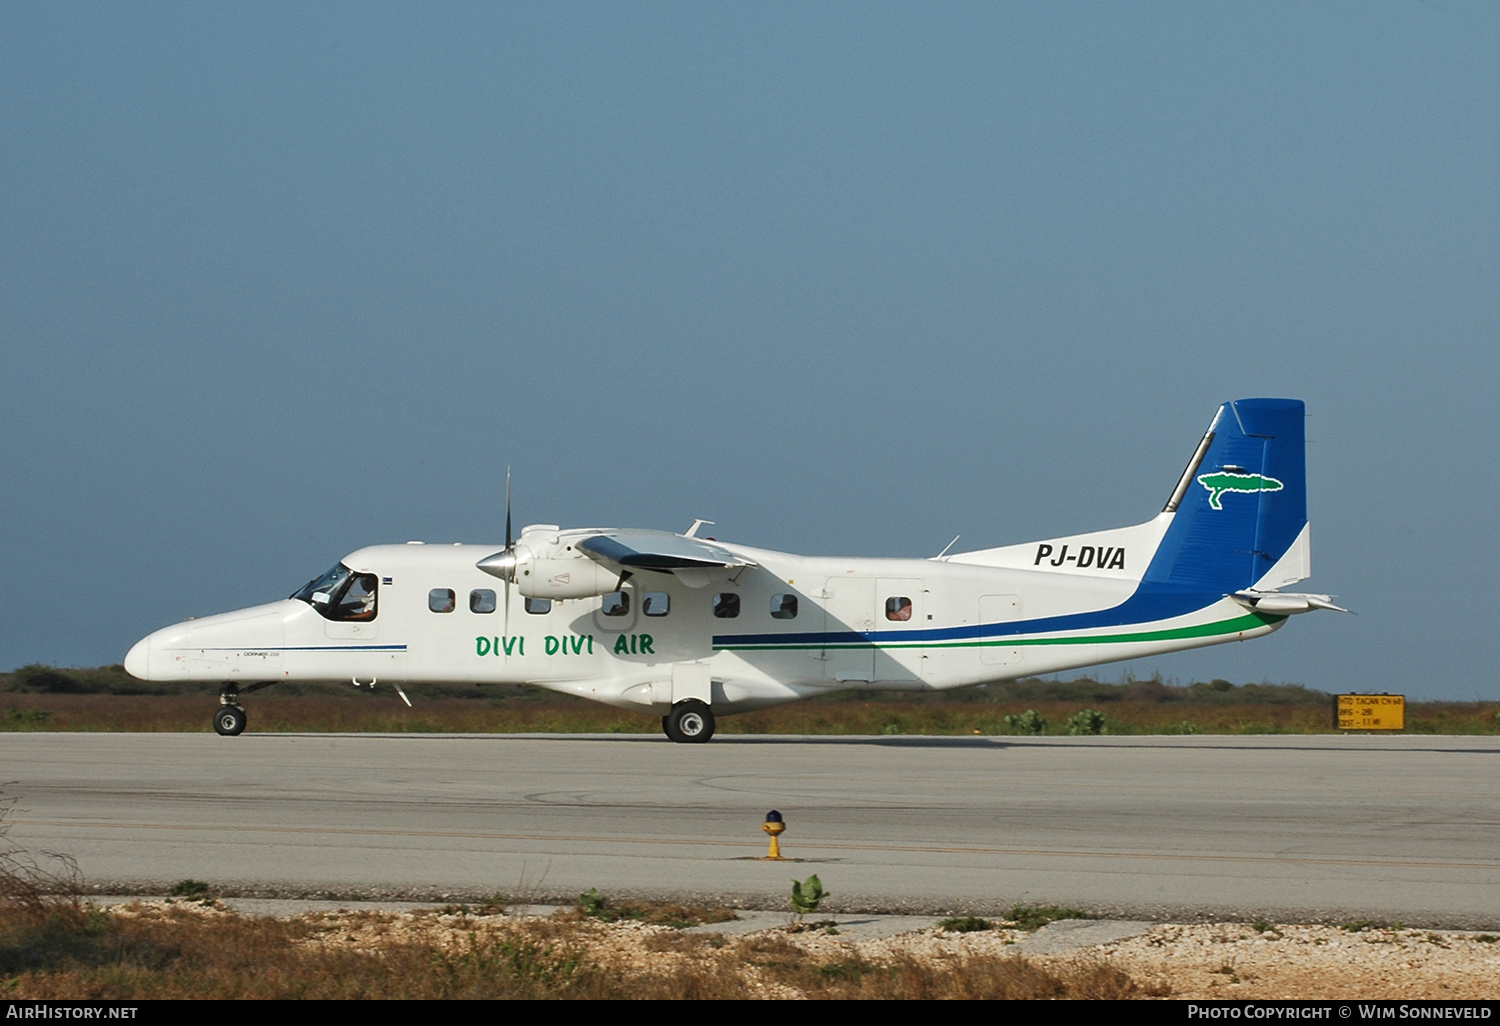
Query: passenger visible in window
{"x": 656, "y": 603}
{"x": 898, "y": 608}
{"x": 616, "y": 603}
{"x": 726, "y": 605}
{"x": 441, "y": 600}
{"x": 481, "y": 600}
{"x": 783, "y": 607}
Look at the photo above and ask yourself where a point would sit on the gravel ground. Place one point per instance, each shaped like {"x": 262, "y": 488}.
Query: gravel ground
{"x": 1213, "y": 961}
{"x": 1232, "y": 961}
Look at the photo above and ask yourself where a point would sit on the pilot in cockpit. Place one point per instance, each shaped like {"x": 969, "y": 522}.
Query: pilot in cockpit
{"x": 359, "y": 602}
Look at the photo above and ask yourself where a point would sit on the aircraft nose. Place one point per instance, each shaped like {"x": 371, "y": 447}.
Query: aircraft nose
{"x": 138, "y": 659}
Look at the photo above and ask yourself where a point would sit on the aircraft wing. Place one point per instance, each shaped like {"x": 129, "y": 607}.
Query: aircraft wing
{"x": 662, "y": 551}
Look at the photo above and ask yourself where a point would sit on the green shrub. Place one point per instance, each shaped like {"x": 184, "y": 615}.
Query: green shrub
{"x": 1029, "y": 917}
{"x": 807, "y": 895}
{"x": 191, "y": 889}
{"x": 24, "y": 719}
{"x": 591, "y": 903}
{"x": 46, "y": 680}
{"x": 1086, "y": 721}
{"x": 1028, "y": 722}
{"x": 965, "y": 924}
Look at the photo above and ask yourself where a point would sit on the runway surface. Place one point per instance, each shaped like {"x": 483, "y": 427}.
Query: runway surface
{"x": 1386, "y": 828}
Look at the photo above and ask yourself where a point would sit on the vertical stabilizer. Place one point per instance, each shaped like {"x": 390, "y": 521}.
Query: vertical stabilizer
{"x": 1241, "y": 506}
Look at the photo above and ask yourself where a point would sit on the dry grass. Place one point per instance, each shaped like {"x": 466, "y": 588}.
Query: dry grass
{"x": 106, "y": 698}
{"x": 356, "y": 712}
{"x": 191, "y": 951}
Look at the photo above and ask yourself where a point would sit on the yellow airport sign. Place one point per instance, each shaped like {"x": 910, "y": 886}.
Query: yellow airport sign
{"x": 1372, "y": 712}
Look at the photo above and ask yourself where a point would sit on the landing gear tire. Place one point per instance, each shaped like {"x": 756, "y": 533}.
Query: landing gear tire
{"x": 689, "y": 723}
{"x": 230, "y": 720}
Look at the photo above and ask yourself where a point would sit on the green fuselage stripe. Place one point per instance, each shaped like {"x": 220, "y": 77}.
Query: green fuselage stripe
{"x": 1248, "y": 622}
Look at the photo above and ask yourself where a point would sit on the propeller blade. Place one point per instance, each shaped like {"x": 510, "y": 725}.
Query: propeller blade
{"x": 506, "y": 625}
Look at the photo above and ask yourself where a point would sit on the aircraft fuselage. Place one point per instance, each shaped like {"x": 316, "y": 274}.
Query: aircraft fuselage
{"x": 781, "y": 629}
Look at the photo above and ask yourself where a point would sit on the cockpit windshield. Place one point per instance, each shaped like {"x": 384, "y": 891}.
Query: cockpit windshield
{"x": 341, "y": 594}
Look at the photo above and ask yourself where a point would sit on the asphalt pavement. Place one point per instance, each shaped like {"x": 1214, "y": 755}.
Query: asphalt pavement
{"x": 1292, "y": 828}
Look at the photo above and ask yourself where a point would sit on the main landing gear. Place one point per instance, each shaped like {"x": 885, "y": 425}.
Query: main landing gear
{"x": 690, "y": 722}
{"x": 231, "y": 719}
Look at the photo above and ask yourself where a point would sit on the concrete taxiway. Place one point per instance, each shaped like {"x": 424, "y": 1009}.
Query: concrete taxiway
{"x": 1292, "y": 828}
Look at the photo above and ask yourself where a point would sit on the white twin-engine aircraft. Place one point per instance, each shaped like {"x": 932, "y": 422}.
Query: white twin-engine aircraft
{"x": 691, "y": 628}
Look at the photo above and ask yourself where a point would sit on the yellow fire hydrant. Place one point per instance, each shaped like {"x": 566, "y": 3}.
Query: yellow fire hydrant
{"x": 774, "y": 826}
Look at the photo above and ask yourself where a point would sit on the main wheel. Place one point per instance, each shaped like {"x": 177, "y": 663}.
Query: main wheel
{"x": 690, "y": 722}
{"x": 230, "y": 720}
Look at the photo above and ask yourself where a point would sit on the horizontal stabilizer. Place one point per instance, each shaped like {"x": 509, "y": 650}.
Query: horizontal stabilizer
{"x": 1284, "y": 603}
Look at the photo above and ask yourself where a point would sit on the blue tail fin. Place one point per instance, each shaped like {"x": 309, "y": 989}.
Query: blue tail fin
{"x": 1241, "y": 502}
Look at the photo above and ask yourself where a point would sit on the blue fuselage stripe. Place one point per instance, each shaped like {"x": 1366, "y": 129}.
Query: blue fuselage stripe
{"x": 311, "y": 648}
{"x": 1150, "y": 603}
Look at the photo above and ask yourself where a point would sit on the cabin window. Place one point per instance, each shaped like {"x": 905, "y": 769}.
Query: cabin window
{"x": 783, "y": 607}
{"x": 616, "y": 603}
{"x": 656, "y": 603}
{"x": 898, "y": 608}
{"x": 726, "y": 605}
{"x": 538, "y": 606}
{"x": 440, "y": 600}
{"x": 481, "y": 600}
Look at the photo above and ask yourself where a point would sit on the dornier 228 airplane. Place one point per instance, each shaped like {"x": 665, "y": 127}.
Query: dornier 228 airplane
{"x": 691, "y": 628}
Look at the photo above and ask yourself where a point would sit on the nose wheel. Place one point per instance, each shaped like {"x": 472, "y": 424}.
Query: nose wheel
{"x": 689, "y": 722}
{"x": 230, "y": 720}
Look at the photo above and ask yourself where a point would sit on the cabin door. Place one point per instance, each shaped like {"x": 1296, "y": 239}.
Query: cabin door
{"x": 849, "y": 619}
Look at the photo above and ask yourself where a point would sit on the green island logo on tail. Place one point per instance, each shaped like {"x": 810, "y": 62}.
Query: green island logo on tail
{"x": 1224, "y": 481}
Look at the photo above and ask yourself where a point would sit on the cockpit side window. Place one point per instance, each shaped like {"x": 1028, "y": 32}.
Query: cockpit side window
{"x": 358, "y": 600}
{"x": 341, "y": 594}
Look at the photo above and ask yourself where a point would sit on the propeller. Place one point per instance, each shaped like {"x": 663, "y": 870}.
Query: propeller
{"x": 506, "y": 626}
{"x": 502, "y": 564}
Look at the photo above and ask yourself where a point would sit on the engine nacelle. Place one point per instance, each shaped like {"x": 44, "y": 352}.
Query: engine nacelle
{"x": 544, "y": 565}
{"x": 568, "y": 575}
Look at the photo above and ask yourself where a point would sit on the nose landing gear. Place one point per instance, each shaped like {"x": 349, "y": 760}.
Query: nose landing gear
{"x": 231, "y": 719}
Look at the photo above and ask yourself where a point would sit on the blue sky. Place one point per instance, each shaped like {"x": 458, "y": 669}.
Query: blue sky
{"x": 278, "y": 281}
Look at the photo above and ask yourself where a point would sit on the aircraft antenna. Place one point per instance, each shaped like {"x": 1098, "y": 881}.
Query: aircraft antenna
{"x": 950, "y": 545}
